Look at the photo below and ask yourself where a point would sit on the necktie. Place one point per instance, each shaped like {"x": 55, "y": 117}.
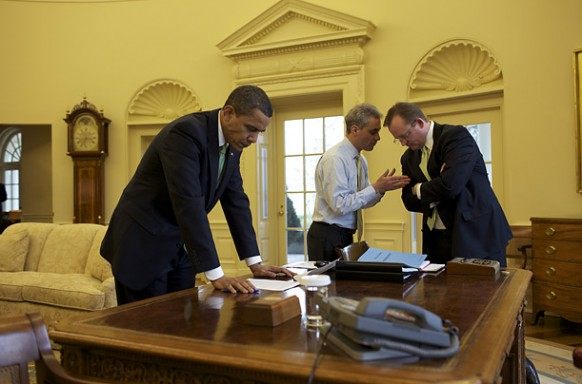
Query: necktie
{"x": 221, "y": 157}
{"x": 359, "y": 220}
{"x": 425, "y": 154}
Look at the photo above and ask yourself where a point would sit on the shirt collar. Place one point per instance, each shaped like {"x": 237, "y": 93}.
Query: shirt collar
{"x": 429, "y": 136}
{"x": 221, "y": 139}
{"x": 350, "y": 147}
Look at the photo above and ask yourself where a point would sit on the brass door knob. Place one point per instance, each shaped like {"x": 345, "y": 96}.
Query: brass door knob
{"x": 551, "y": 295}
{"x": 550, "y": 231}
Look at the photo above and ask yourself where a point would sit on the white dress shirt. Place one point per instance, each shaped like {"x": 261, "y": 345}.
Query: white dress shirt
{"x": 337, "y": 198}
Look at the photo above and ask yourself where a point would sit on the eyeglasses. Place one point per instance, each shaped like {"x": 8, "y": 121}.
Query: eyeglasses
{"x": 404, "y": 137}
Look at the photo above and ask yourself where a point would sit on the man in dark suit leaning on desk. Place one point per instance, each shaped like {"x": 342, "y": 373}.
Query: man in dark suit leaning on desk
{"x": 159, "y": 234}
{"x": 450, "y": 187}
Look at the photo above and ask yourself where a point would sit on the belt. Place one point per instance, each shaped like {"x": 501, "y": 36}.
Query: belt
{"x": 336, "y": 226}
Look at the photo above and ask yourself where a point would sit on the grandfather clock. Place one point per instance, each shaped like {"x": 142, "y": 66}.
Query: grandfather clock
{"x": 87, "y": 146}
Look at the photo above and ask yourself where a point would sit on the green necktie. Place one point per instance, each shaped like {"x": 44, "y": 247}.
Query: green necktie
{"x": 359, "y": 219}
{"x": 221, "y": 158}
{"x": 425, "y": 154}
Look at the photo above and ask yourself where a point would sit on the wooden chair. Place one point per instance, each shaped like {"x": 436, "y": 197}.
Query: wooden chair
{"x": 519, "y": 248}
{"x": 353, "y": 251}
{"x": 24, "y": 339}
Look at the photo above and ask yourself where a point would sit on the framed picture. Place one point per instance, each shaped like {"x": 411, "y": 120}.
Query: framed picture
{"x": 578, "y": 102}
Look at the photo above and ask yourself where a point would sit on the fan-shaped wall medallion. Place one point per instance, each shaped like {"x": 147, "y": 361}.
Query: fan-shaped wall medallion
{"x": 454, "y": 67}
{"x": 163, "y": 100}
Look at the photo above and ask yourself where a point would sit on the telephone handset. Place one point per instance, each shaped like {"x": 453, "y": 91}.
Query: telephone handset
{"x": 379, "y": 328}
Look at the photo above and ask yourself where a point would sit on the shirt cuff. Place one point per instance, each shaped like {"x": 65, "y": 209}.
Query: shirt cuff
{"x": 416, "y": 189}
{"x": 214, "y": 274}
{"x": 369, "y": 194}
{"x": 253, "y": 260}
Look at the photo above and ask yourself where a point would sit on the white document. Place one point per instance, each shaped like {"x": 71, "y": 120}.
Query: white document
{"x": 301, "y": 264}
{"x": 432, "y": 267}
{"x": 273, "y": 285}
{"x": 426, "y": 266}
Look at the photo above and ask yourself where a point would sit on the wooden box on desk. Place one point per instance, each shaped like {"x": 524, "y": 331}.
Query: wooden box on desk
{"x": 270, "y": 310}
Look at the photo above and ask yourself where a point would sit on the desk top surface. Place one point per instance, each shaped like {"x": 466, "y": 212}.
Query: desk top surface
{"x": 203, "y": 325}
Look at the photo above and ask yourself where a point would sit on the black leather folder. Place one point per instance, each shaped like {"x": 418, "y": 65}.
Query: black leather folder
{"x": 361, "y": 270}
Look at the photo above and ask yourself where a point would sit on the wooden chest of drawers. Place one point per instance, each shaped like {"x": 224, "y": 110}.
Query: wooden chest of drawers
{"x": 557, "y": 267}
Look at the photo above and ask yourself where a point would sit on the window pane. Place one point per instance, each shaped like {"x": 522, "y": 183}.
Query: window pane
{"x": 294, "y": 173}
{"x": 293, "y": 137}
{"x": 14, "y": 192}
{"x": 310, "y": 164}
{"x": 294, "y": 243}
{"x": 314, "y": 135}
{"x": 482, "y": 135}
{"x": 334, "y": 131}
{"x": 12, "y": 151}
{"x": 295, "y": 211}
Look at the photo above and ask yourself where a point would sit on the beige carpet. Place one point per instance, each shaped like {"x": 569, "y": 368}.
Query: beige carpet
{"x": 552, "y": 361}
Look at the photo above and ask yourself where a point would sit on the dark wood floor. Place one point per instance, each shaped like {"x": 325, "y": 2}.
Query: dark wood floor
{"x": 554, "y": 329}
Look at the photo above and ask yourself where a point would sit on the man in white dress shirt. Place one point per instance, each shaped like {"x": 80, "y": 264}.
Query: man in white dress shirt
{"x": 342, "y": 191}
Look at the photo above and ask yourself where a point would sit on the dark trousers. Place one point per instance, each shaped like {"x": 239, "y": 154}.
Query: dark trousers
{"x": 180, "y": 277}
{"x": 437, "y": 244}
{"x": 323, "y": 239}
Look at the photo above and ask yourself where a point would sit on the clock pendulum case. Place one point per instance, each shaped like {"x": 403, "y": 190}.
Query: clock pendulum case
{"x": 87, "y": 146}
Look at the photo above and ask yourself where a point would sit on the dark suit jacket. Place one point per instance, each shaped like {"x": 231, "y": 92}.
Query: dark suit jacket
{"x": 165, "y": 204}
{"x": 467, "y": 205}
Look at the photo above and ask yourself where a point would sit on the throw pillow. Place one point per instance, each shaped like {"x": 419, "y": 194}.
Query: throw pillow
{"x": 13, "y": 249}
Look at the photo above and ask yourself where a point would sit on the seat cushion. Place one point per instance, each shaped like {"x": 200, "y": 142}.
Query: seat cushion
{"x": 13, "y": 250}
{"x": 77, "y": 291}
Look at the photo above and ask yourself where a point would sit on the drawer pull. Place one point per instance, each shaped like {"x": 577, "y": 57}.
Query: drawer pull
{"x": 551, "y": 271}
{"x": 550, "y": 231}
{"x": 550, "y": 249}
{"x": 551, "y": 295}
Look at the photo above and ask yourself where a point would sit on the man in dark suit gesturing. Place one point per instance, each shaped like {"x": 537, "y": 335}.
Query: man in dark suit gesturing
{"x": 450, "y": 187}
{"x": 159, "y": 235}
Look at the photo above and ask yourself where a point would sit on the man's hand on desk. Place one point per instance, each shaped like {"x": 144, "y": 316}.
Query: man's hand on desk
{"x": 233, "y": 285}
{"x": 242, "y": 285}
{"x": 270, "y": 271}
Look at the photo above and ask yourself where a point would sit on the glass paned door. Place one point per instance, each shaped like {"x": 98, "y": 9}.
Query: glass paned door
{"x": 305, "y": 140}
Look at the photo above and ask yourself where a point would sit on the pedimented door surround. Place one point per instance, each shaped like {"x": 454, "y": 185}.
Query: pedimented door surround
{"x": 296, "y": 48}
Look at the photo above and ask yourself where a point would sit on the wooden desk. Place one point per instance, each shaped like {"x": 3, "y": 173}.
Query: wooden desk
{"x": 195, "y": 336}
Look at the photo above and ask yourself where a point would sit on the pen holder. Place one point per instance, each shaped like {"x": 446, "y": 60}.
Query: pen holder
{"x": 314, "y": 285}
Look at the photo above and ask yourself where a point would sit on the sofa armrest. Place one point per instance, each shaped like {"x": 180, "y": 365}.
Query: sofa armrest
{"x": 108, "y": 287}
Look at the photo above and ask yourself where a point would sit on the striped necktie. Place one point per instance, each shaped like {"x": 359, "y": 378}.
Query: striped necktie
{"x": 425, "y": 154}
{"x": 221, "y": 158}
{"x": 359, "y": 219}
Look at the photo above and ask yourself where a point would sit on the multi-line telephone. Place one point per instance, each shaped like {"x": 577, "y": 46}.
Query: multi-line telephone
{"x": 380, "y": 328}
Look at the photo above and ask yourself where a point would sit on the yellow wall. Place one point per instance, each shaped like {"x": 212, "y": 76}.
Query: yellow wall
{"x": 53, "y": 54}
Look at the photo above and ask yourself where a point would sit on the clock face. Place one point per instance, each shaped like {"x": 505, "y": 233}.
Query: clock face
{"x": 86, "y": 134}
